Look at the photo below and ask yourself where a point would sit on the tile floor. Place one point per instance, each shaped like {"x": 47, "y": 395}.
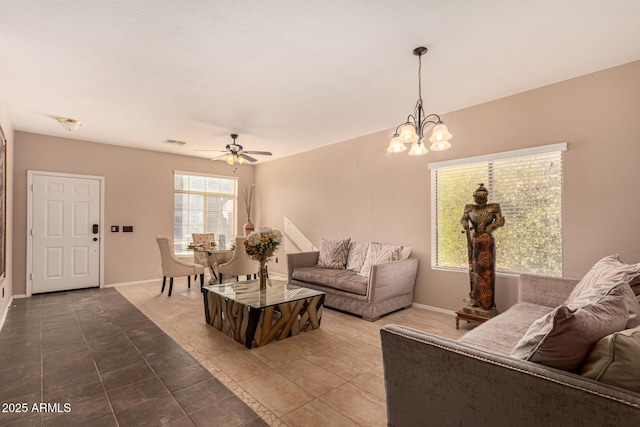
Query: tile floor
{"x": 331, "y": 376}
{"x": 95, "y": 351}
{"x": 161, "y": 364}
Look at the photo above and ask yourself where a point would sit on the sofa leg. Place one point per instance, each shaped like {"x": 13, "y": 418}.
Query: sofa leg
{"x": 164, "y": 282}
{"x": 170, "y": 286}
{"x": 371, "y": 319}
{"x": 189, "y": 281}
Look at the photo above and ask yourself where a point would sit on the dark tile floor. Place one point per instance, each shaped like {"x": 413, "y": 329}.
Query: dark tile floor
{"x": 95, "y": 352}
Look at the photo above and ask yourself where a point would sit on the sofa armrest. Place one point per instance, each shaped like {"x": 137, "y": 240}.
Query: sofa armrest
{"x": 544, "y": 290}
{"x": 301, "y": 259}
{"x": 391, "y": 279}
{"x": 431, "y": 380}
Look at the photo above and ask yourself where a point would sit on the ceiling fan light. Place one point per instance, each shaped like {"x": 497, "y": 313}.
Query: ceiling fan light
{"x": 230, "y": 159}
{"x": 396, "y": 145}
{"x": 440, "y": 134}
{"x": 240, "y": 160}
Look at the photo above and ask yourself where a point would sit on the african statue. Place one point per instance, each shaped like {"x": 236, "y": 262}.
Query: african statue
{"x": 479, "y": 221}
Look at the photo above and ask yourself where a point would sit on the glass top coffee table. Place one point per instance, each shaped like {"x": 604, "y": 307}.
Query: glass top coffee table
{"x": 248, "y": 314}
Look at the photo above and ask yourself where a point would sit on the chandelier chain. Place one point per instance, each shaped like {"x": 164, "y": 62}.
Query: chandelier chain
{"x": 420, "y": 78}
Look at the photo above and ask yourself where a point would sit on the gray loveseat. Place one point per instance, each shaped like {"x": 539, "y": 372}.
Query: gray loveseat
{"x": 388, "y": 288}
{"x": 435, "y": 381}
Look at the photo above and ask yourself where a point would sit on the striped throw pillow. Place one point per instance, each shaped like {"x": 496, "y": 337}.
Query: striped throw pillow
{"x": 378, "y": 254}
{"x": 333, "y": 253}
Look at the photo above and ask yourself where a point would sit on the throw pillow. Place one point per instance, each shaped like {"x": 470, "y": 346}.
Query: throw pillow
{"x": 333, "y": 253}
{"x": 378, "y": 254}
{"x": 614, "y": 360}
{"x": 563, "y": 338}
{"x": 604, "y": 275}
{"x": 405, "y": 253}
{"x": 357, "y": 255}
{"x": 635, "y": 286}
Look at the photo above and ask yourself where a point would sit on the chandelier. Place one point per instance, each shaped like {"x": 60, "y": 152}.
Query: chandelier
{"x": 412, "y": 131}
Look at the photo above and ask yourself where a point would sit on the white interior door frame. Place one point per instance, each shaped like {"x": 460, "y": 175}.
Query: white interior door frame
{"x": 30, "y": 176}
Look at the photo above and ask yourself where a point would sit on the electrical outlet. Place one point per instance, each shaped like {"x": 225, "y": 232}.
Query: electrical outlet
{"x": 127, "y": 228}
{"x": 276, "y": 260}
{"x": 115, "y": 228}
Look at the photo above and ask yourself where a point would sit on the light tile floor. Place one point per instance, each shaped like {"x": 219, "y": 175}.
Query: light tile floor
{"x": 331, "y": 376}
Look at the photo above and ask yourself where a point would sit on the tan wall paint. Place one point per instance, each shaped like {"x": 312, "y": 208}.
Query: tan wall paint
{"x": 355, "y": 189}
{"x": 138, "y": 192}
{"x": 6, "y": 282}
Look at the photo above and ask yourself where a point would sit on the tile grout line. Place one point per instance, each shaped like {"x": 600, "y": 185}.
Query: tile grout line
{"x": 95, "y": 365}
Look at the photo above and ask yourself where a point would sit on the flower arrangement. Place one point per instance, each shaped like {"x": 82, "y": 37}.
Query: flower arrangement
{"x": 263, "y": 243}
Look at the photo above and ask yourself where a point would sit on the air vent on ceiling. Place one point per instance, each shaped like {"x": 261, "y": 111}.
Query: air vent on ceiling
{"x": 173, "y": 142}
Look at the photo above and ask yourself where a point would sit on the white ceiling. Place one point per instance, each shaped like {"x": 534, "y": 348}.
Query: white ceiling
{"x": 287, "y": 75}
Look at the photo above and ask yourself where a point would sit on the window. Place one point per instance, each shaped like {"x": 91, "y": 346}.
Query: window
{"x": 203, "y": 204}
{"x": 528, "y": 186}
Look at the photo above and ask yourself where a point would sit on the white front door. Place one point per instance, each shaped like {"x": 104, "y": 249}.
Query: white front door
{"x": 65, "y": 233}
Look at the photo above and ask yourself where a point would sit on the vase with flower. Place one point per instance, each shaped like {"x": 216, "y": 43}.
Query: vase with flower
{"x": 260, "y": 245}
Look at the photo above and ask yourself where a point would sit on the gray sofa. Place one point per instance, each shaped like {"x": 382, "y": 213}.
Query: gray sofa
{"x": 431, "y": 380}
{"x": 388, "y": 288}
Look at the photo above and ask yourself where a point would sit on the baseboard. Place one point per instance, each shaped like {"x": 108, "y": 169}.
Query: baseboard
{"x": 436, "y": 309}
{"x": 139, "y": 282}
{"x": 4, "y": 315}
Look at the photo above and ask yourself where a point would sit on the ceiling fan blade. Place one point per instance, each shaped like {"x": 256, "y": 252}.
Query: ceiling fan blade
{"x": 222, "y": 151}
{"x": 262, "y": 153}
{"x": 220, "y": 157}
{"x": 244, "y": 156}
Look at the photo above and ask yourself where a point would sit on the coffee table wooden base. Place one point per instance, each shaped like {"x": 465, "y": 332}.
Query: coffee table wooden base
{"x": 246, "y": 324}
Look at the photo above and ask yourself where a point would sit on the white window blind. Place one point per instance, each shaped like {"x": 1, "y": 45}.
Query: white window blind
{"x": 528, "y": 186}
{"x": 203, "y": 204}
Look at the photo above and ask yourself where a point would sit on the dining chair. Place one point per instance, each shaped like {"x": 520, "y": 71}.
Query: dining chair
{"x": 240, "y": 263}
{"x": 174, "y": 267}
{"x": 202, "y": 257}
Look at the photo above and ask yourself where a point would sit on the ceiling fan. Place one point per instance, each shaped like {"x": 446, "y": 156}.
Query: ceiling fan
{"x": 235, "y": 153}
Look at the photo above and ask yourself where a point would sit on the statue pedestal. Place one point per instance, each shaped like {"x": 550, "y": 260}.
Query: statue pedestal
{"x": 475, "y": 314}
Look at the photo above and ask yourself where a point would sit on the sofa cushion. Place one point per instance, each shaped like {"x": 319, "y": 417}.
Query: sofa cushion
{"x": 604, "y": 275}
{"x": 501, "y": 333}
{"x": 343, "y": 280}
{"x": 357, "y": 255}
{"x": 614, "y": 360}
{"x": 563, "y": 338}
{"x": 333, "y": 253}
{"x": 378, "y": 254}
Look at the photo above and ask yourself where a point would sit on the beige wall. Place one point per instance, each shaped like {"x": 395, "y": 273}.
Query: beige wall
{"x": 138, "y": 192}
{"x": 355, "y": 189}
{"x": 6, "y": 282}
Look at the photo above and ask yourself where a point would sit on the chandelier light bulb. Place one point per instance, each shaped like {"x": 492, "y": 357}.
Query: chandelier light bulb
{"x": 418, "y": 149}
{"x": 230, "y": 159}
{"x": 396, "y": 145}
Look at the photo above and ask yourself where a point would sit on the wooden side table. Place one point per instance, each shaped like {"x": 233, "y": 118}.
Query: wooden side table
{"x": 469, "y": 318}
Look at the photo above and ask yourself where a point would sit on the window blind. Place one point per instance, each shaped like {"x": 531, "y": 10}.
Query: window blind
{"x": 528, "y": 188}
{"x": 203, "y": 204}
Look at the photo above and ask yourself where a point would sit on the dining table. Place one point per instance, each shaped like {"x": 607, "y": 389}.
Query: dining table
{"x": 216, "y": 256}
